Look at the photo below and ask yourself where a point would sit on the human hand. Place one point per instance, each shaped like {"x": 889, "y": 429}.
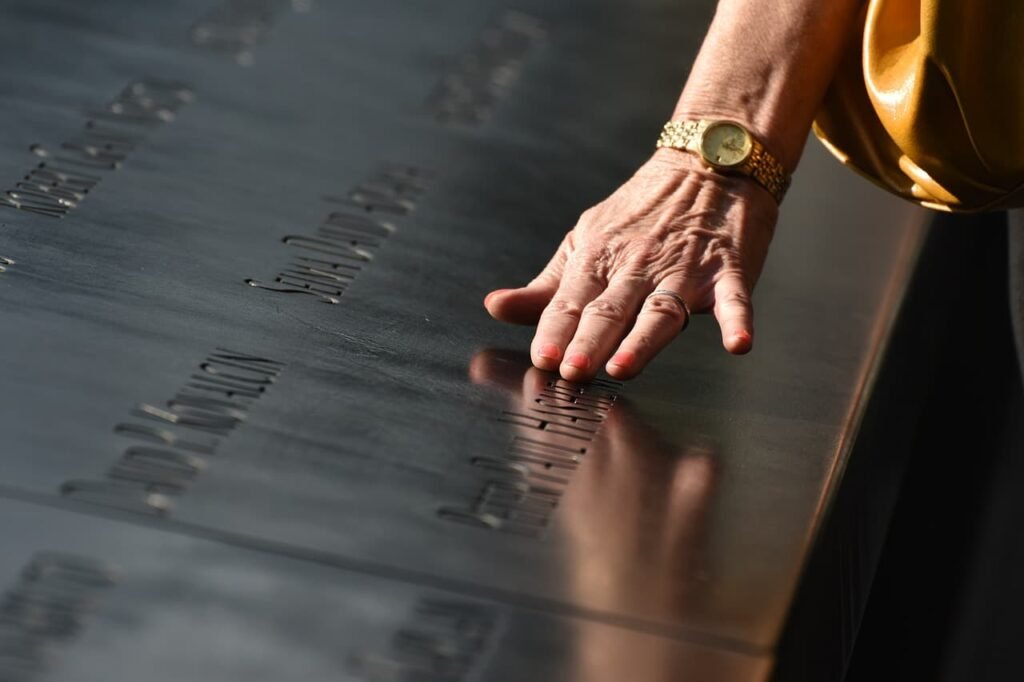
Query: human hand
{"x": 675, "y": 226}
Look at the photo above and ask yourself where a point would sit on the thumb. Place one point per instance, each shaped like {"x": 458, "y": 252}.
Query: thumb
{"x": 525, "y": 304}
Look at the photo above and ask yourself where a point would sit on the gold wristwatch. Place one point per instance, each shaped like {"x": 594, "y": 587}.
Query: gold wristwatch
{"x": 728, "y": 147}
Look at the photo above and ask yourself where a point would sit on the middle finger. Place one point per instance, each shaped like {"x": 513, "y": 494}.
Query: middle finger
{"x": 602, "y": 326}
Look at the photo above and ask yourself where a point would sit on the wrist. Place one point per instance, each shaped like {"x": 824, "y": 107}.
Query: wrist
{"x": 767, "y": 66}
{"x": 678, "y": 160}
{"x": 671, "y": 162}
{"x": 781, "y": 140}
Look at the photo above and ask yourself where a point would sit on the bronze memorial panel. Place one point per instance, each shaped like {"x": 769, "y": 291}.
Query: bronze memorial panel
{"x": 251, "y": 397}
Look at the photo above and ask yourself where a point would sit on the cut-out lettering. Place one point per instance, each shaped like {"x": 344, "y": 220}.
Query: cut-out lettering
{"x": 180, "y": 435}
{"x": 47, "y": 608}
{"x": 521, "y": 487}
{"x": 328, "y": 260}
{"x": 59, "y": 184}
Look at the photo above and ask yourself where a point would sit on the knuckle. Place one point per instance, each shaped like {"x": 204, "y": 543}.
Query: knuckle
{"x": 594, "y": 261}
{"x": 715, "y": 250}
{"x": 569, "y": 243}
{"x": 642, "y": 343}
{"x": 606, "y": 309}
{"x": 594, "y": 251}
{"x": 666, "y": 308}
{"x": 736, "y": 298}
{"x": 564, "y": 307}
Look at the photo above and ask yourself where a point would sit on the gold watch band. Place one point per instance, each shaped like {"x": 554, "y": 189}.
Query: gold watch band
{"x": 759, "y": 164}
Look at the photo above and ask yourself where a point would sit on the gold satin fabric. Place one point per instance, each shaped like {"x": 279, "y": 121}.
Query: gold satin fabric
{"x": 929, "y": 102}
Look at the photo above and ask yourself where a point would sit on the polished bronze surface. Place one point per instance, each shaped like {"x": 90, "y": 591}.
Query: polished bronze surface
{"x": 245, "y": 252}
{"x": 122, "y": 602}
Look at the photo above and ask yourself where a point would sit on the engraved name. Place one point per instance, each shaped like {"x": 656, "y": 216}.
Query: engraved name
{"x": 45, "y": 609}
{"x": 175, "y": 440}
{"x": 327, "y": 261}
{"x": 236, "y": 26}
{"x": 467, "y": 94}
{"x": 445, "y": 641}
{"x": 523, "y": 485}
{"x": 109, "y": 136}
{"x": 5, "y": 263}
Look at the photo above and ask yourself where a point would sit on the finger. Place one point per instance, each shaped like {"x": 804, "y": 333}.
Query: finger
{"x": 660, "y": 320}
{"x": 602, "y": 325}
{"x": 734, "y": 313}
{"x": 580, "y": 285}
{"x": 525, "y": 304}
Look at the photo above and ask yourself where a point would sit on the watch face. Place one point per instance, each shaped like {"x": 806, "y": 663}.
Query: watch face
{"x": 725, "y": 144}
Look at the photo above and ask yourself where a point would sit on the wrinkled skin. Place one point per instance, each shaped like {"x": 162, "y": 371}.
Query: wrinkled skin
{"x": 674, "y": 225}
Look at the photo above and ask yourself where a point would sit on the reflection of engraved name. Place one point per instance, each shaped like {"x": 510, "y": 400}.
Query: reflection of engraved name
{"x": 45, "y": 609}
{"x": 468, "y": 94}
{"x": 108, "y": 137}
{"x": 330, "y": 258}
{"x": 523, "y": 485}
{"x": 236, "y": 26}
{"x": 5, "y": 263}
{"x": 178, "y": 436}
{"x": 444, "y": 642}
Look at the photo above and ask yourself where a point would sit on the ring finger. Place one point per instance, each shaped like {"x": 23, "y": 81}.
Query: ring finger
{"x": 660, "y": 320}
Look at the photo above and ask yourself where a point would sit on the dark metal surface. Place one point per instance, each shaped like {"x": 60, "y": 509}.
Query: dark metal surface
{"x": 117, "y": 602}
{"x": 327, "y": 191}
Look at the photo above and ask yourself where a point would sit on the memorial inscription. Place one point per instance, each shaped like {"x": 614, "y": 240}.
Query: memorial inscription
{"x": 45, "y": 609}
{"x": 108, "y": 137}
{"x": 468, "y": 93}
{"x": 608, "y": 542}
{"x": 332, "y": 256}
{"x": 445, "y": 641}
{"x": 523, "y": 485}
{"x": 180, "y": 436}
{"x": 236, "y": 26}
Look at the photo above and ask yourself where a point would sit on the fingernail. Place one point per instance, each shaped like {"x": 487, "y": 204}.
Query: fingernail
{"x": 549, "y": 351}
{"x": 739, "y": 342}
{"x": 624, "y": 358}
{"x": 578, "y": 360}
{"x": 741, "y": 337}
{"x": 494, "y": 293}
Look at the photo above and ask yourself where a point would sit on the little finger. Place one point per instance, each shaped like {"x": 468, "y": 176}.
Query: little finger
{"x": 734, "y": 313}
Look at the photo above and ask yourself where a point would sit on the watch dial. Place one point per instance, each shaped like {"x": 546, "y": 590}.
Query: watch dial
{"x": 725, "y": 144}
